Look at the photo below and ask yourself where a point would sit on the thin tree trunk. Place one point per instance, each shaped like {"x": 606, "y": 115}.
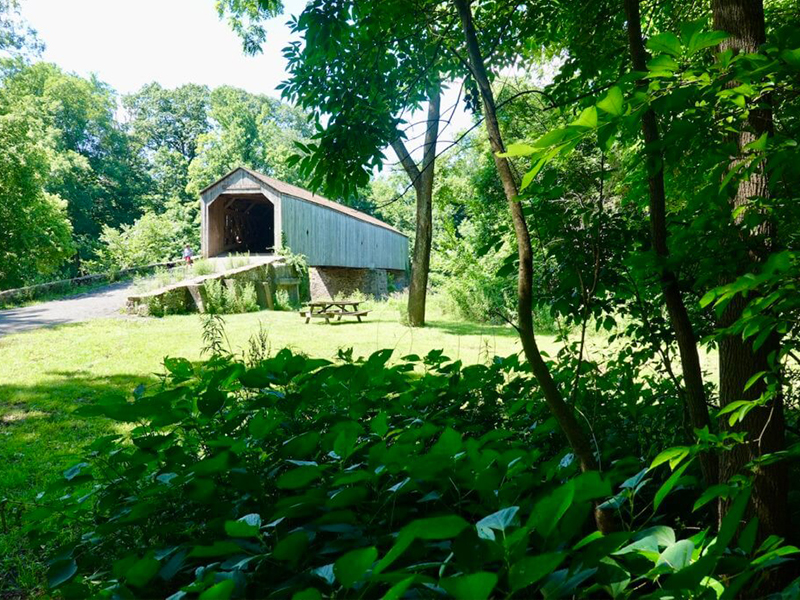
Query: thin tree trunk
{"x": 738, "y": 362}
{"x": 563, "y": 412}
{"x": 422, "y": 180}
{"x": 695, "y": 395}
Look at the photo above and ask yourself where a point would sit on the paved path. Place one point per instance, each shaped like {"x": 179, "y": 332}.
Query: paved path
{"x": 107, "y": 301}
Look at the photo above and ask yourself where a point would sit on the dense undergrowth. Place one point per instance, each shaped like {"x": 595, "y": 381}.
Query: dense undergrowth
{"x": 291, "y": 477}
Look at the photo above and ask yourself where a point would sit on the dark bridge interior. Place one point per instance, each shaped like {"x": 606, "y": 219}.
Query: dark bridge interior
{"x": 249, "y": 225}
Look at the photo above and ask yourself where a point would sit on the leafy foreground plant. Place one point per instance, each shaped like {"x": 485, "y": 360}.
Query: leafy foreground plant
{"x": 299, "y": 478}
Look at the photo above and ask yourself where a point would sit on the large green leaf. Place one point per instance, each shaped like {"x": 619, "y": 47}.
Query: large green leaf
{"x": 142, "y": 571}
{"x": 351, "y": 567}
{"x": 613, "y": 103}
{"x": 61, "y": 571}
{"x": 677, "y": 556}
{"x": 299, "y": 477}
{"x": 476, "y": 586}
{"x": 219, "y": 591}
{"x": 665, "y": 42}
{"x": 531, "y": 569}
{"x": 247, "y": 526}
{"x": 669, "y": 484}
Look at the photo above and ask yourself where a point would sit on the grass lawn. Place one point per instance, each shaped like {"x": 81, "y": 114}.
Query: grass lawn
{"x": 48, "y": 373}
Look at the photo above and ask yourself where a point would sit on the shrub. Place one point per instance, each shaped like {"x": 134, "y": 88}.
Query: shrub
{"x": 236, "y": 297}
{"x": 152, "y": 238}
{"x": 361, "y": 479}
{"x": 215, "y": 297}
{"x": 283, "y": 300}
{"x": 202, "y": 267}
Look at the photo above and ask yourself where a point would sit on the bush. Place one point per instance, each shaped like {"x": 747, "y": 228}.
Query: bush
{"x": 361, "y": 479}
{"x": 202, "y": 267}
{"x": 283, "y": 300}
{"x": 240, "y": 297}
{"x": 153, "y": 238}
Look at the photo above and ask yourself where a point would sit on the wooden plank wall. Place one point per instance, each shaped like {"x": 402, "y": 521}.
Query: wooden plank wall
{"x": 333, "y": 239}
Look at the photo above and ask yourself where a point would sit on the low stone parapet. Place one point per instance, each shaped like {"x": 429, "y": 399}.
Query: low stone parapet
{"x": 190, "y": 295}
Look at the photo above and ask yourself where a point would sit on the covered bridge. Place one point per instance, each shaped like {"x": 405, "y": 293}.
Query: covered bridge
{"x": 347, "y": 250}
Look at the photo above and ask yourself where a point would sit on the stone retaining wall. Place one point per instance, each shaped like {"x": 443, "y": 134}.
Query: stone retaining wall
{"x": 333, "y": 282}
{"x": 190, "y": 295}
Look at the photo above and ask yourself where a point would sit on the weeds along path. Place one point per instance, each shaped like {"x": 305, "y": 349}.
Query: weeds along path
{"x": 104, "y": 302}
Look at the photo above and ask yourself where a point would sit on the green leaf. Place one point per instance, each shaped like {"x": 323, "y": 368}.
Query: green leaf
{"x": 792, "y": 58}
{"x": 299, "y": 477}
{"x": 307, "y": 594}
{"x": 292, "y": 547}
{"x": 476, "y": 586}
{"x": 531, "y": 569}
{"x": 672, "y": 455}
{"x": 263, "y": 424}
{"x": 247, "y": 526}
{"x": 397, "y": 591}
{"x": 662, "y": 63}
{"x": 665, "y": 42}
{"x": 518, "y": 150}
{"x": 215, "y": 549}
{"x": 549, "y": 510}
{"x": 758, "y": 145}
{"x": 669, "y": 484}
{"x": 677, "y": 556}
{"x": 350, "y": 568}
{"x": 211, "y": 465}
{"x": 379, "y": 424}
{"x": 613, "y": 103}
{"x": 712, "y": 493}
{"x": 142, "y": 571}
{"x": 500, "y": 521}
{"x": 587, "y": 118}
{"x": 550, "y": 138}
{"x": 705, "y": 39}
{"x": 448, "y": 444}
{"x": 61, "y": 571}
{"x": 437, "y": 528}
{"x": 219, "y": 591}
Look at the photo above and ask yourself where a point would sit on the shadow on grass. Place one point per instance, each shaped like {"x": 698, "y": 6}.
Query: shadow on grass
{"x": 40, "y": 432}
{"x": 40, "y": 437}
{"x": 466, "y": 328}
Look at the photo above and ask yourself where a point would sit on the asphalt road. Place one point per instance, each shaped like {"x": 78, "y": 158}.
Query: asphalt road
{"x": 105, "y": 302}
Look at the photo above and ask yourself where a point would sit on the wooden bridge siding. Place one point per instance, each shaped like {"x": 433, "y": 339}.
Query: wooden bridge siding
{"x": 331, "y": 238}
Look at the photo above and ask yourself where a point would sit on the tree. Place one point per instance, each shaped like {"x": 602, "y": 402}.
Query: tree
{"x": 92, "y": 164}
{"x": 17, "y": 38}
{"x": 35, "y": 231}
{"x": 249, "y": 130}
{"x": 388, "y": 52}
{"x": 166, "y": 124}
{"x": 739, "y": 360}
{"x": 563, "y": 413}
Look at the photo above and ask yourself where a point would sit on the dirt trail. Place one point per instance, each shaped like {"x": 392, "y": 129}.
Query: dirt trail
{"x": 104, "y": 302}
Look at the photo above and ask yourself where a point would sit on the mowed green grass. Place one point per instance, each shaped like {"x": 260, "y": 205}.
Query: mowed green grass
{"x": 48, "y": 373}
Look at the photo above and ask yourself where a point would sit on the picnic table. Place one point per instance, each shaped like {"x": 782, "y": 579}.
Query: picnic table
{"x": 327, "y": 309}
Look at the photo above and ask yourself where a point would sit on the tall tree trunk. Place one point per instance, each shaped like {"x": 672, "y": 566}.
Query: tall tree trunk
{"x": 743, "y": 20}
{"x": 422, "y": 180}
{"x": 695, "y": 395}
{"x": 563, "y": 412}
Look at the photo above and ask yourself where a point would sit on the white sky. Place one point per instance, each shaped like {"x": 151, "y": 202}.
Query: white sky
{"x": 130, "y": 43}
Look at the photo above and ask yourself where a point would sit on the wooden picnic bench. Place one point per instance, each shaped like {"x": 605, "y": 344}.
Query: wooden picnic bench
{"x": 328, "y": 309}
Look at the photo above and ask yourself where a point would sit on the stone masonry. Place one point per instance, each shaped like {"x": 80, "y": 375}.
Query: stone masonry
{"x": 333, "y": 282}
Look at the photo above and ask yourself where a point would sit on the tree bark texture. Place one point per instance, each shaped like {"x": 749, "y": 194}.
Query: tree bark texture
{"x": 422, "y": 181}
{"x": 563, "y": 412}
{"x": 695, "y": 395}
{"x": 743, "y": 20}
